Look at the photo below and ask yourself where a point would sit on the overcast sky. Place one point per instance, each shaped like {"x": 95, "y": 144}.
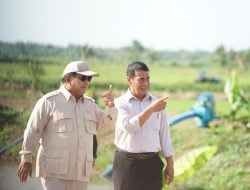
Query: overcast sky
{"x": 159, "y": 24}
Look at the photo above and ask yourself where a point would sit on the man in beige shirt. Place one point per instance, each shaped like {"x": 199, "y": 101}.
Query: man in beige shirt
{"x": 64, "y": 122}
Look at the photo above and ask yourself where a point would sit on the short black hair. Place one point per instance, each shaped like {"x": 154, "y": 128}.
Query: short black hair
{"x": 136, "y": 66}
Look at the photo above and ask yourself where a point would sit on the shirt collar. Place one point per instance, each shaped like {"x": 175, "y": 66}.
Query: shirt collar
{"x": 130, "y": 96}
{"x": 67, "y": 94}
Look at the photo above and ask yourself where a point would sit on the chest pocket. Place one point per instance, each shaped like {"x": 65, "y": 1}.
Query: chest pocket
{"x": 90, "y": 122}
{"x": 63, "y": 122}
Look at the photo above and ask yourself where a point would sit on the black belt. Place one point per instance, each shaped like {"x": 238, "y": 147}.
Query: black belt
{"x": 138, "y": 156}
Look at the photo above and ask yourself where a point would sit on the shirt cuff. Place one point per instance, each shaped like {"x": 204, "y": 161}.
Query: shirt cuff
{"x": 168, "y": 153}
{"x": 26, "y": 157}
{"x": 134, "y": 121}
{"x": 110, "y": 112}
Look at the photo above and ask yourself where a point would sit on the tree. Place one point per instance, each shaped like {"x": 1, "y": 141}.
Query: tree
{"x": 136, "y": 50}
{"x": 239, "y": 58}
{"x": 246, "y": 56}
{"x": 220, "y": 53}
{"x": 87, "y": 52}
{"x": 152, "y": 55}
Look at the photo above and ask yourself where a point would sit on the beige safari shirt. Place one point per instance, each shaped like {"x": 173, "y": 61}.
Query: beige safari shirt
{"x": 65, "y": 129}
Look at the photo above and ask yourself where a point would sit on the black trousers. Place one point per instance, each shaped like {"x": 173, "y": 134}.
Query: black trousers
{"x": 137, "y": 174}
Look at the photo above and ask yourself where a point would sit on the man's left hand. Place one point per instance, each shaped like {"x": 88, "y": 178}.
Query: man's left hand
{"x": 108, "y": 97}
{"x": 169, "y": 174}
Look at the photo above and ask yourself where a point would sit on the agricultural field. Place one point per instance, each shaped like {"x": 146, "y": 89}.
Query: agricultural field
{"x": 229, "y": 168}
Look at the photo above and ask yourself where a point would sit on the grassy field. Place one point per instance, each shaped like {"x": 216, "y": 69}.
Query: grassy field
{"x": 228, "y": 169}
{"x": 163, "y": 77}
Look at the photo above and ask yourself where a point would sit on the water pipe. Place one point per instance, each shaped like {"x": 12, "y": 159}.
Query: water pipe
{"x": 18, "y": 140}
{"x": 203, "y": 110}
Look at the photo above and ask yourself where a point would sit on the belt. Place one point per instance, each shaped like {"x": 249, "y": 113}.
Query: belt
{"x": 138, "y": 156}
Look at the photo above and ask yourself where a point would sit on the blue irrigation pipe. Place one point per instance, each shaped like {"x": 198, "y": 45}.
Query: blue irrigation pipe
{"x": 183, "y": 116}
{"x": 18, "y": 140}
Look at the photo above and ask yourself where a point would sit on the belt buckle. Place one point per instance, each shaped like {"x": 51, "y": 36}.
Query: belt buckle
{"x": 142, "y": 156}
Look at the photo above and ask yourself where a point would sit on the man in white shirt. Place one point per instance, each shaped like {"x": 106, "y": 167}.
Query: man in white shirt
{"x": 141, "y": 132}
{"x": 63, "y": 123}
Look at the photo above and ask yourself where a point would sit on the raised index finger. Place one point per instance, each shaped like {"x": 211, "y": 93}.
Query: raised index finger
{"x": 164, "y": 98}
{"x": 110, "y": 88}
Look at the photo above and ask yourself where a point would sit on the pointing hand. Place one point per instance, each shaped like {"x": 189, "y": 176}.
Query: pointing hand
{"x": 159, "y": 104}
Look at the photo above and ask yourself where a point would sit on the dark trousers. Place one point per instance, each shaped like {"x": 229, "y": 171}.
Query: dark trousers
{"x": 137, "y": 174}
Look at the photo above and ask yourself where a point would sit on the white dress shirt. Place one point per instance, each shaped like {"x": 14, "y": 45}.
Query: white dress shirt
{"x": 153, "y": 136}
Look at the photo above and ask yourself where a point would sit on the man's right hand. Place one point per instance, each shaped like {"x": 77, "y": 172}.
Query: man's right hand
{"x": 24, "y": 169}
{"x": 159, "y": 104}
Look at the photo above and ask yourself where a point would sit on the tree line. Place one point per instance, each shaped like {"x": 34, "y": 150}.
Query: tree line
{"x": 27, "y": 52}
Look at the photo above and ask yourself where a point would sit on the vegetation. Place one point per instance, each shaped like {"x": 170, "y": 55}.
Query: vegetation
{"x": 28, "y": 52}
{"x": 236, "y": 97}
{"x": 27, "y": 71}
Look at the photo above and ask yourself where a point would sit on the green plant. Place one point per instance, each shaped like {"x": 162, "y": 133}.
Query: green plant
{"x": 35, "y": 70}
{"x": 191, "y": 162}
{"x": 236, "y": 96}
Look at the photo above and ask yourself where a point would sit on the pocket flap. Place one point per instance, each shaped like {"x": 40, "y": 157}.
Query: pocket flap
{"x": 90, "y": 116}
{"x": 89, "y": 164}
{"x": 60, "y": 115}
{"x": 62, "y": 122}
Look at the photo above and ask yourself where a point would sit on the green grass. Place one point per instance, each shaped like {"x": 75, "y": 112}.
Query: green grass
{"x": 163, "y": 77}
{"x": 12, "y": 124}
{"x": 229, "y": 168}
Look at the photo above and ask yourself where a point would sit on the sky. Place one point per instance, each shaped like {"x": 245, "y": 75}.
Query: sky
{"x": 158, "y": 24}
